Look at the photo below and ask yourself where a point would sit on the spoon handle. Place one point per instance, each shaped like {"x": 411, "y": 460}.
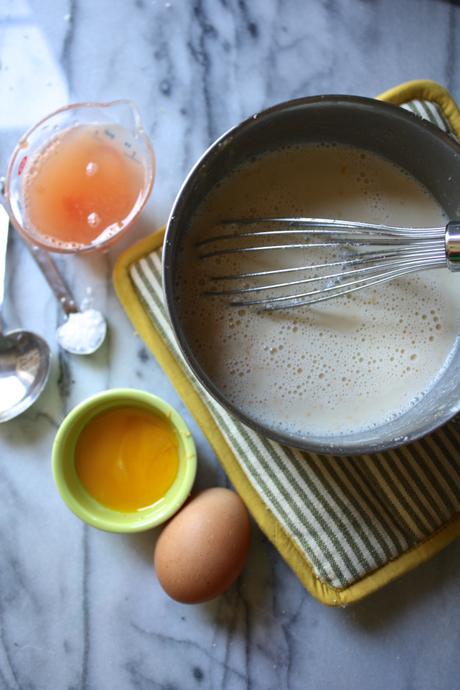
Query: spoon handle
{"x": 54, "y": 279}
{"x": 4, "y": 223}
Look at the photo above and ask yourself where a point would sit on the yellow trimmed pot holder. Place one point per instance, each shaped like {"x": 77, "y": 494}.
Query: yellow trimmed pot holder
{"x": 346, "y": 526}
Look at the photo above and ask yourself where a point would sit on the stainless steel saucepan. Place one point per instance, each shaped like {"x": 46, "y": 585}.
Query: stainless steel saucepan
{"x": 432, "y": 157}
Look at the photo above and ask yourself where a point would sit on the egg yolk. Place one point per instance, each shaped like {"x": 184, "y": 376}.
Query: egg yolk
{"x": 127, "y": 458}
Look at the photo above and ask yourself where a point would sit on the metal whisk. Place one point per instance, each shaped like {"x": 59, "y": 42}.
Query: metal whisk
{"x": 362, "y": 255}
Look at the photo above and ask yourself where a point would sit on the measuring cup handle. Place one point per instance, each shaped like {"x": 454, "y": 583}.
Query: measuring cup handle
{"x": 54, "y": 279}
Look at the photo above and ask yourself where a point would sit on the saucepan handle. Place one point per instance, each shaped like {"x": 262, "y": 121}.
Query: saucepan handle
{"x": 453, "y": 245}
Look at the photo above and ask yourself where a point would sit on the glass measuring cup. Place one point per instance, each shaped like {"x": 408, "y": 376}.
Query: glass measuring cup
{"x": 78, "y": 179}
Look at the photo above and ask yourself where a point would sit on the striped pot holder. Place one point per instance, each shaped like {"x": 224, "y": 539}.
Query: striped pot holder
{"x": 346, "y": 526}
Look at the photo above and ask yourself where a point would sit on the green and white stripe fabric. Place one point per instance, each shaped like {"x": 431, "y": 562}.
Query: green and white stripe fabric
{"x": 349, "y": 516}
{"x": 430, "y": 111}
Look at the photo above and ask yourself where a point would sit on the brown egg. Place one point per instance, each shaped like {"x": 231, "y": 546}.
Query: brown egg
{"x": 202, "y": 550}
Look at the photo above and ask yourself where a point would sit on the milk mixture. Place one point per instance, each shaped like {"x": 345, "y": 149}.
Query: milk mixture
{"x": 341, "y": 366}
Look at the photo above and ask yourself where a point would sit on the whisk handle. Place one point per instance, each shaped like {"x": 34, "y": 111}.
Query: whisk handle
{"x": 452, "y": 239}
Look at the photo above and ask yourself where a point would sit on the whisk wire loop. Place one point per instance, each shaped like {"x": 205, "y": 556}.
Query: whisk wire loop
{"x": 370, "y": 254}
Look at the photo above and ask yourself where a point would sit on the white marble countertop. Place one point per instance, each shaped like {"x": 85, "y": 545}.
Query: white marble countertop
{"x": 81, "y": 609}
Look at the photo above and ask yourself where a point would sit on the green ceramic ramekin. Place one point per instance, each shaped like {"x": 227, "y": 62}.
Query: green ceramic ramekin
{"x": 73, "y": 493}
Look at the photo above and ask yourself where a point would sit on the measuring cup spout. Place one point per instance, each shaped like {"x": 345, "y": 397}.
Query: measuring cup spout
{"x": 126, "y": 113}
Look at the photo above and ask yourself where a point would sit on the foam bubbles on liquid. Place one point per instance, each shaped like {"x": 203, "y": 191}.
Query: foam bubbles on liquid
{"x": 93, "y": 219}
{"x": 352, "y": 363}
{"x": 91, "y": 168}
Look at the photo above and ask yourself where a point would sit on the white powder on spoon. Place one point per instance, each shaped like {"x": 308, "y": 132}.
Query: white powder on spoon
{"x": 83, "y": 332}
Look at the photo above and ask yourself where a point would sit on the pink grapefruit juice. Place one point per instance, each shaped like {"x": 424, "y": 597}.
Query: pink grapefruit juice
{"x": 83, "y": 186}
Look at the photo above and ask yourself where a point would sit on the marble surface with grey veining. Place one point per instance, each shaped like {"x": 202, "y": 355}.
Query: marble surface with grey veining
{"x": 81, "y": 609}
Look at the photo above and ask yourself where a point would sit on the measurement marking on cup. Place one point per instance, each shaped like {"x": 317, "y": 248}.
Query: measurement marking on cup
{"x": 22, "y": 165}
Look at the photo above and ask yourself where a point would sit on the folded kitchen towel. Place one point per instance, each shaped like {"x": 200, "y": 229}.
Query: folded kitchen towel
{"x": 346, "y": 526}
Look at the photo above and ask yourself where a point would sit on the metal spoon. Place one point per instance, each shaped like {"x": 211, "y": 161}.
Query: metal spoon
{"x": 83, "y": 332}
{"x": 24, "y": 356}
